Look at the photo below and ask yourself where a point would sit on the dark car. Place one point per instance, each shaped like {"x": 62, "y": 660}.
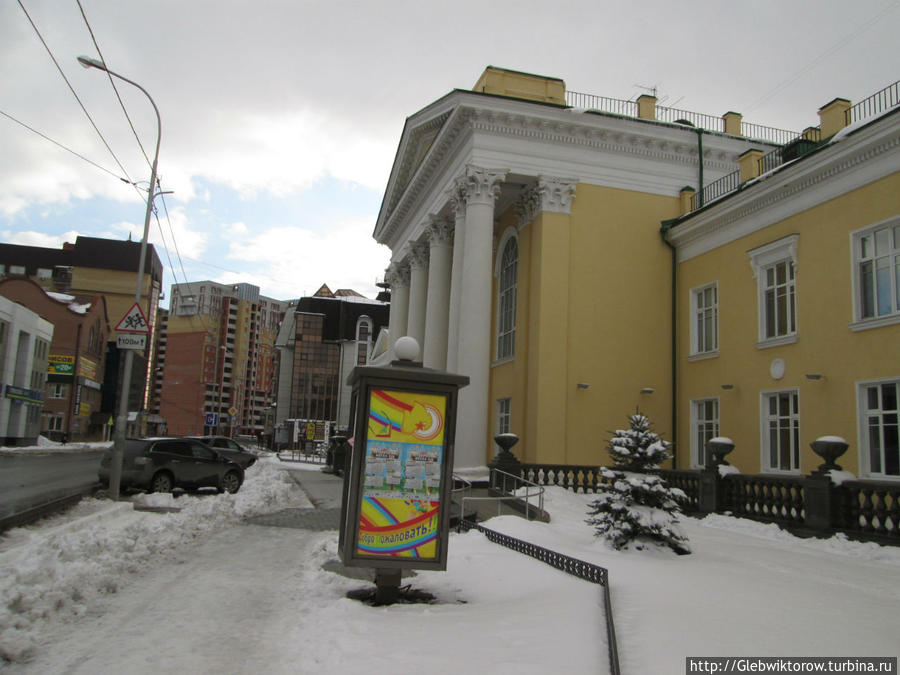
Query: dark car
{"x": 228, "y": 447}
{"x": 162, "y": 464}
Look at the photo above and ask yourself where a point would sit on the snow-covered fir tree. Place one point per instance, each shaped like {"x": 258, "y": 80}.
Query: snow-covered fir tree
{"x": 635, "y": 508}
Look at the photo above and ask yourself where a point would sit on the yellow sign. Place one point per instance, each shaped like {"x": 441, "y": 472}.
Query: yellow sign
{"x": 59, "y": 364}
{"x": 400, "y": 509}
{"x": 87, "y": 368}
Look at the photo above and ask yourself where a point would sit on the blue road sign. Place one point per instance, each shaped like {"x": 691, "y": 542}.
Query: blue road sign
{"x": 212, "y": 419}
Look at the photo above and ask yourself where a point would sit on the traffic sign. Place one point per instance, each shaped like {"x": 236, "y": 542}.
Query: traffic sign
{"x": 134, "y": 321}
{"x": 232, "y": 411}
{"x": 212, "y": 419}
{"x": 131, "y": 341}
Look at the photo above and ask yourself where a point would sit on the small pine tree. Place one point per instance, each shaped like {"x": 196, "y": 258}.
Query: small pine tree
{"x": 634, "y": 507}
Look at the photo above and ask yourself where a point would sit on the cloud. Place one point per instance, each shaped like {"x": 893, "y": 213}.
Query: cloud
{"x": 29, "y": 238}
{"x": 294, "y": 261}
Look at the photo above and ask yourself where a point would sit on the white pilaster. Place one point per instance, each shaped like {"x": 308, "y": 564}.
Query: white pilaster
{"x": 418, "y": 290}
{"x": 397, "y": 275}
{"x": 437, "y": 307}
{"x": 458, "y": 207}
{"x": 482, "y": 186}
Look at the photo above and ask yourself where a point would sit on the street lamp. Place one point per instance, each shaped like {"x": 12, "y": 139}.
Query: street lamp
{"x": 115, "y": 471}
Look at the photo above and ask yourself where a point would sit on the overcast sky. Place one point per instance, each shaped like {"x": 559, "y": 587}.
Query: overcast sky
{"x": 281, "y": 118}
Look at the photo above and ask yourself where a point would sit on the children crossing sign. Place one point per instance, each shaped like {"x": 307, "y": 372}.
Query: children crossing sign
{"x": 134, "y": 321}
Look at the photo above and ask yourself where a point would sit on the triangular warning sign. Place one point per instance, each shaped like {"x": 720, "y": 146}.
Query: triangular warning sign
{"x": 134, "y": 321}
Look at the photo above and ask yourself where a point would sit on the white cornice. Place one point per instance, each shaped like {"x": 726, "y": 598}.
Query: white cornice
{"x": 533, "y": 139}
{"x": 861, "y": 158}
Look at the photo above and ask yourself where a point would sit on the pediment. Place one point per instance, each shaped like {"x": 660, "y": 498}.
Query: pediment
{"x": 413, "y": 149}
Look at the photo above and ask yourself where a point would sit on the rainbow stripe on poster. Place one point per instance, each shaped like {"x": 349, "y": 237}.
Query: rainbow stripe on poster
{"x": 387, "y": 413}
{"x": 398, "y": 527}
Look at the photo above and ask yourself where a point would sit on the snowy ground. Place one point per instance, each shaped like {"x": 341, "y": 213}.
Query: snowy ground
{"x": 109, "y": 589}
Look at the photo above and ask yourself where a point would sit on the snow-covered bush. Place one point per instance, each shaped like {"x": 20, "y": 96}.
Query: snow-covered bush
{"x": 633, "y": 507}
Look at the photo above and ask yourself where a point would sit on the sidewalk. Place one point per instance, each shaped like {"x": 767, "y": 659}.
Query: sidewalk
{"x": 324, "y": 492}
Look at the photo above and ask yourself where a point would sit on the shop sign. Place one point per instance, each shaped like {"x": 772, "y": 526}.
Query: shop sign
{"x": 59, "y": 364}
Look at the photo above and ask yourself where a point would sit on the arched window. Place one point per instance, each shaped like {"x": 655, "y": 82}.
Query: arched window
{"x": 363, "y": 339}
{"x": 506, "y": 300}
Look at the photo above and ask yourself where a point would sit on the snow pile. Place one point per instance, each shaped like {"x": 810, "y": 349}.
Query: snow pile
{"x": 56, "y": 571}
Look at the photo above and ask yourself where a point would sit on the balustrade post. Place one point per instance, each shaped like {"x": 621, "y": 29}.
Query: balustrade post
{"x": 820, "y": 494}
{"x": 712, "y": 488}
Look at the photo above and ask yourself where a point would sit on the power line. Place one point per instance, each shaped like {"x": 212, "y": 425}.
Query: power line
{"x": 840, "y": 44}
{"x": 58, "y": 144}
{"x": 112, "y": 82}
{"x": 72, "y": 89}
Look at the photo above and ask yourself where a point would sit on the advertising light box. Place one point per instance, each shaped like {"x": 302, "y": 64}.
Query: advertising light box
{"x": 395, "y": 511}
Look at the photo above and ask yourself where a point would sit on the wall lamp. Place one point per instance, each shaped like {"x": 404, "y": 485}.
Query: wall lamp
{"x": 582, "y": 385}
{"x": 814, "y": 376}
{"x": 647, "y": 390}
{"x": 727, "y": 387}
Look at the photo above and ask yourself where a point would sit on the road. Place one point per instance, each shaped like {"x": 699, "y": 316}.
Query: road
{"x": 31, "y": 479}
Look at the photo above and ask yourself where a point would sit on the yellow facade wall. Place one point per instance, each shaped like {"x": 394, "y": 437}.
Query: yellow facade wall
{"x": 825, "y": 343}
{"x": 593, "y": 307}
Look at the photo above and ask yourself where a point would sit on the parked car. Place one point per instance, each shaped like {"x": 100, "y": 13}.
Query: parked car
{"x": 231, "y": 449}
{"x": 163, "y": 464}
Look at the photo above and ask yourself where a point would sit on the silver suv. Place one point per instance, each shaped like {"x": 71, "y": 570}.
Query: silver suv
{"x": 163, "y": 464}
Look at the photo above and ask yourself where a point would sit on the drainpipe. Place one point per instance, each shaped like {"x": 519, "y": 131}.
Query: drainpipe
{"x": 664, "y": 231}
{"x": 700, "y": 164}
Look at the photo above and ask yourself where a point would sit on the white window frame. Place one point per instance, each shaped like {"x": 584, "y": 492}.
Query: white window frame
{"x": 698, "y": 449}
{"x": 864, "y": 412}
{"x": 766, "y": 418}
{"x": 501, "y": 355}
{"x": 698, "y": 308}
{"x": 892, "y": 255}
{"x": 44, "y": 273}
{"x": 763, "y": 259}
{"x": 57, "y": 390}
{"x": 55, "y": 422}
{"x": 504, "y": 414}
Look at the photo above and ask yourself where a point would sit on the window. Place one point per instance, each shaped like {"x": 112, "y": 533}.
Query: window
{"x": 43, "y": 273}
{"x": 704, "y": 426}
{"x": 774, "y": 266}
{"x": 781, "y": 431}
{"x": 876, "y": 252}
{"x": 363, "y": 337}
{"x": 54, "y": 422}
{"x": 880, "y": 410}
{"x": 506, "y": 300}
{"x": 17, "y": 270}
{"x": 705, "y": 320}
{"x": 503, "y": 409}
{"x": 58, "y": 390}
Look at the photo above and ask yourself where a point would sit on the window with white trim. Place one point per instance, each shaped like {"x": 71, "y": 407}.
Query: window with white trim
{"x": 506, "y": 300}
{"x": 57, "y": 390}
{"x": 781, "y": 431}
{"x": 774, "y": 266}
{"x": 705, "y": 319}
{"x": 55, "y": 422}
{"x": 704, "y": 426}
{"x": 504, "y": 405}
{"x": 879, "y": 424}
{"x": 876, "y": 262}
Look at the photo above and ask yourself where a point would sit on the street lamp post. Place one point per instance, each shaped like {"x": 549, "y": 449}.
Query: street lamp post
{"x": 115, "y": 471}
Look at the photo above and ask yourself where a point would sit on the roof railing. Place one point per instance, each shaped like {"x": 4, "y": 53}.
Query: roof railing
{"x": 876, "y": 104}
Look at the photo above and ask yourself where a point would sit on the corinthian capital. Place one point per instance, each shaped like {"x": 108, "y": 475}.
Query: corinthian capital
{"x": 397, "y": 274}
{"x": 556, "y": 194}
{"x": 440, "y": 231}
{"x": 481, "y": 185}
{"x": 418, "y": 255}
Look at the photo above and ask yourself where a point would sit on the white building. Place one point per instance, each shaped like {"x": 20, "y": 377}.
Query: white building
{"x": 24, "y": 347}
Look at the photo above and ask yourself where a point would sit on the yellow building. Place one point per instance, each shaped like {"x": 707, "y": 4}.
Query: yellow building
{"x": 787, "y": 304}
{"x": 546, "y": 244}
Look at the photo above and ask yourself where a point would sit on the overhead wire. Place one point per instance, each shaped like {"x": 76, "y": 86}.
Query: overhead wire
{"x": 112, "y": 82}
{"x": 72, "y": 89}
{"x": 840, "y": 44}
{"x": 60, "y": 145}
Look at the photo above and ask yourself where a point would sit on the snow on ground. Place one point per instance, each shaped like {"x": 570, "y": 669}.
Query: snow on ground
{"x": 109, "y": 589}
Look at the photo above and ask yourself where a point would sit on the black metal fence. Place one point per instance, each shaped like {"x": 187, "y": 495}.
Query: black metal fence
{"x": 863, "y": 509}
{"x": 874, "y": 104}
{"x": 578, "y": 568}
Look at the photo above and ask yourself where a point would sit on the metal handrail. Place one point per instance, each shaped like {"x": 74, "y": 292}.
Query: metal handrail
{"x": 518, "y": 484}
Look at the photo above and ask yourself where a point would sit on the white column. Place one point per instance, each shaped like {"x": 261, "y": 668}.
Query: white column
{"x": 474, "y": 358}
{"x": 397, "y": 276}
{"x": 418, "y": 291}
{"x": 458, "y": 206}
{"x": 440, "y": 232}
